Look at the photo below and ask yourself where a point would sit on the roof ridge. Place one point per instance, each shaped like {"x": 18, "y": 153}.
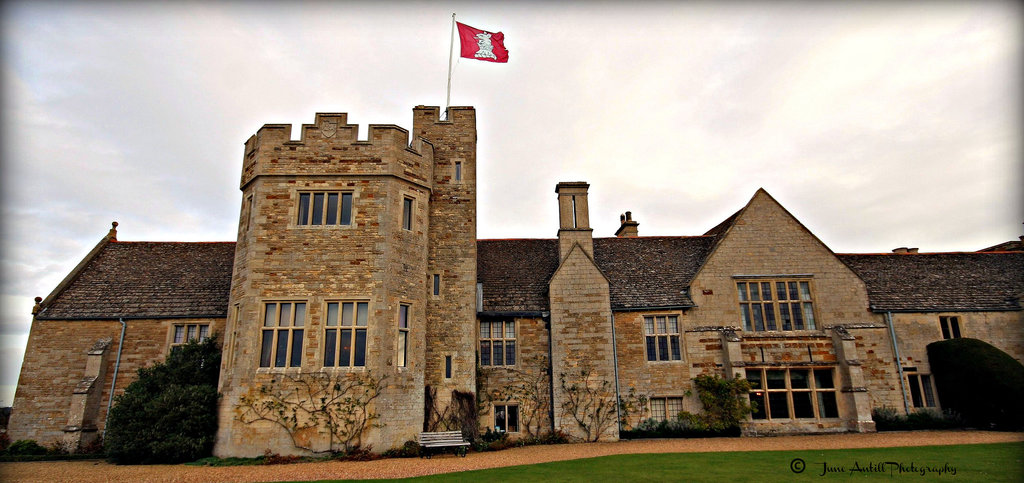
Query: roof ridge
{"x": 515, "y": 239}
{"x": 929, "y": 253}
{"x": 172, "y": 242}
{"x": 652, "y": 236}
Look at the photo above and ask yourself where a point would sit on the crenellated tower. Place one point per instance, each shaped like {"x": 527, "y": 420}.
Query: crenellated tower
{"x": 451, "y": 254}
{"x": 338, "y": 242}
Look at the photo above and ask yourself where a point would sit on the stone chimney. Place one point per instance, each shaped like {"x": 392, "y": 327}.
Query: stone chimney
{"x": 628, "y": 226}
{"x": 574, "y": 218}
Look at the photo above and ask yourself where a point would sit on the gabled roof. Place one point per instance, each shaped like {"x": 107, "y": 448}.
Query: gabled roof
{"x": 643, "y": 272}
{"x": 1010, "y": 246}
{"x": 940, "y": 282}
{"x": 148, "y": 280}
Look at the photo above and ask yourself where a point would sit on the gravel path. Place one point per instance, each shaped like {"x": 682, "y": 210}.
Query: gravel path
{"x": 95, "y": 471}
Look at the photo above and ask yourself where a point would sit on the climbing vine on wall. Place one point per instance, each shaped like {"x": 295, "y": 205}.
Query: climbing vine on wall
{"x": 588, "y": 400}
{"x": 307, "y": 405}
{"x": 527, "y": 385}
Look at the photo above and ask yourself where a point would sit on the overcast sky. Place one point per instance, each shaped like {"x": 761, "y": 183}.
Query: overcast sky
{"x": 877, "y": 125}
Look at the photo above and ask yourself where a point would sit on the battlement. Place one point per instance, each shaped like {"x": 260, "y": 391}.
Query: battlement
{"x": 426, "y": 117}
{"x": 330, "y": 146}
{"x": 331, "y": 130}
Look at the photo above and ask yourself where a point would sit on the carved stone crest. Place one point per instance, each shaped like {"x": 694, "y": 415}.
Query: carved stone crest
{"x": 328, "y": 128}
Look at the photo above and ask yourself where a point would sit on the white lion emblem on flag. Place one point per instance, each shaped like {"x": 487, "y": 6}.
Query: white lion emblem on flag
{"x": 486, "y": 49}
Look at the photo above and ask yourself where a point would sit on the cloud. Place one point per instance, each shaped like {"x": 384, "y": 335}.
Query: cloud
{"x": 877, "y": 125}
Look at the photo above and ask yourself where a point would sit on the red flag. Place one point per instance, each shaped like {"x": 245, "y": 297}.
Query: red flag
{"x": 482, "y": 45}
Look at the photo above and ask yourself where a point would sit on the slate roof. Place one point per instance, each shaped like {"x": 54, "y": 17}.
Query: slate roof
{"x": 515, "y": 273}
{"x": 149, "y": 280}
{"x": 651, "y": 271}
{"x": 643, "y": 272}
{"x": 936, "y": 282}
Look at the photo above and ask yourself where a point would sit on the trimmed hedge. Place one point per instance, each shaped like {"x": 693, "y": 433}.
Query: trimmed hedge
{"x": 981, "y": 383}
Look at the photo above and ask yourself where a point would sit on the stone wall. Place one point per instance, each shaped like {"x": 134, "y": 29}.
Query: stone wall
{"x": 451, "y": 314}
{"x": 641, "y": 377}
{"x": 375, "y": 260}
{"x": 55, "y": 365}
{"x": 582, "y": 339}
{"x": 520, "y": 383}
{"x": 766, "y": 241}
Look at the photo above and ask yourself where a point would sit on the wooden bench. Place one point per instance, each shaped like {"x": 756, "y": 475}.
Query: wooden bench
{"x": 443, "y": 439}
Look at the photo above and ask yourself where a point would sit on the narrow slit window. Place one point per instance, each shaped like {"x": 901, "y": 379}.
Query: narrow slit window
{"x": 407, "y": 213}
{"x": 403, "y": 335}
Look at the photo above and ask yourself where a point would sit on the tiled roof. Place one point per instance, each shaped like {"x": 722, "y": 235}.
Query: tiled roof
{"x": 930, "y": 282}
{"x": 642, "y": 271}
{"x": 650, "y": 271}
{"x": 149, "y": 280}
{"x": 515, "y": 273}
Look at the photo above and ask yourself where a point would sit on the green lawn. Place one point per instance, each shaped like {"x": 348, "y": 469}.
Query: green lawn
{"x": 982, "y": 462}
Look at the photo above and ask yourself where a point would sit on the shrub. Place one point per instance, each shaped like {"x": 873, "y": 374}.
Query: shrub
{"x": 270, "y": 458}
{"x": 168, "y": 415}
{"x": 723, "y": 401}
{"x": 889, "y": 419}
{"x": 410, "y": 449}
{"x": 24, "y": 447}
{"x": 980, "y": 382}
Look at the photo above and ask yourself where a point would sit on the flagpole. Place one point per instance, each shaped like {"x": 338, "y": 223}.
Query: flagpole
{"x": 451, "y": 49}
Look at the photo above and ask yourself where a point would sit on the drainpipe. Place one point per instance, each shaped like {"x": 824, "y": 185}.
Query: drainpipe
{"x": 615, "y": 366}
{"x": 551, "y": 377}
{"x": 899, "y": 365}
{"x": 117, "y": 366}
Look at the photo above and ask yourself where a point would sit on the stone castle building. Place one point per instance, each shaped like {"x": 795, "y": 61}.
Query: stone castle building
{"x": 357, "y": 263}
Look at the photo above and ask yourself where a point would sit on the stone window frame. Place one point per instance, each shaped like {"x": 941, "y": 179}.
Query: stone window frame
{"x": 949, "y": 325}
{"x": 457, "y": 173}
{"x": 184, "y": 329}
{"x": 505, "y": 412}
{"x": 404, "y": 324}
{"x": 504, "y": 340}
{"x": 326, "y": 190}
{"x": 921, "y": 386}
{"x": 338, "y": 331}
{"x": 228, "y": 350}
{"x": 408, "y": 212}
{"x": 247, "y": 205}
{"x": 657, "y": 335}
{"x": 820, "y": 397}
{"x": 661, "y": 406}
{"x": 755, "y": 310}
{"x": 295, "y": 330}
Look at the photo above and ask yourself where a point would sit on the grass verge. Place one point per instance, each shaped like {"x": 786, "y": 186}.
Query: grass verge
{"x": 981, "y": 462}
